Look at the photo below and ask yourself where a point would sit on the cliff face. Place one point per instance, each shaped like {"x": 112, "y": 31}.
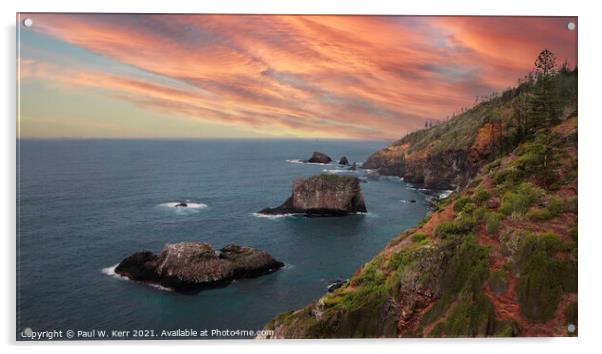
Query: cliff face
{"x": 436, "y": 167}
{"x": 323, "y": 195}
{"x": 496, "y": 259}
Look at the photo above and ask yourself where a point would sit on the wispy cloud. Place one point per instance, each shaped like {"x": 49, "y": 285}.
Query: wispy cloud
{"x": 312, "y": 76}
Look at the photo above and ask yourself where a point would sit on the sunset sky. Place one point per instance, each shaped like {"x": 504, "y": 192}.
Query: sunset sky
{"x": 239, "y": 76}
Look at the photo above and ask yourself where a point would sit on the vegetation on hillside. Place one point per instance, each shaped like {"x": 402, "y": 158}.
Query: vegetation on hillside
{"x": 498, "y": 258}
{"x": 540, "y": 99}
{"x": 450, "y": 154}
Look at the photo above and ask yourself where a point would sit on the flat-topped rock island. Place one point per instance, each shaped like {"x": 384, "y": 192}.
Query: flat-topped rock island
{"x": 322, "y": 195}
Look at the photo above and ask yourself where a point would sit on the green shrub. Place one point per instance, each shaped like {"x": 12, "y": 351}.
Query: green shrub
{"x": 447, "y": 228}
{"x": 466, "y": 222}
{"x": 399, "y": 260}
{"x": 418, "y": 237}
{"x": 479, "y": 213}
{"x": 460, "y": 203}
{"x": 519, "y": 200}
{"x": 571, "y": 174}
{"x": 468, "y": 208}
{"x": 507, "y": 328}
{"x": 571, "y": 205}
{"x": 507, "y": 178}
{"x": 474, "y": 183}
{"x": 473, "y": 314}
{"x": 481, "y": 195}
{"x": 462, "y": 225}
{"x": 493, "y": 165}
{"x": 370, "y": 273}
{"x": 469, "y": 312}
{"x": 555, "y": 205}
{"x": 574, "y": 232}
{"x": 539, "y": 215}
{"x": 543, "y": 278}
{"x": 493, "y": 221}
{"x": 538, "y": 158}
{"x": 442, "y": 203}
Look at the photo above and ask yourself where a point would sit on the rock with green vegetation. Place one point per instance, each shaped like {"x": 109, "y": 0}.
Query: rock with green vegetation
{"x": 543, "y": 278}
{"x": 518, "y": 200}
{"x": 449, "y": 154}
{"x": 539, "y": 214}
{"x": 460, "y": 203}
{"x": 447, "y": 277}
{"x": 323, "y": 195}
{"x": 480, "y": 196}
{"x": 492, "y": 222}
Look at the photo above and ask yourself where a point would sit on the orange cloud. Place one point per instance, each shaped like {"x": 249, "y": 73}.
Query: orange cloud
{"x": 327, "y": 76}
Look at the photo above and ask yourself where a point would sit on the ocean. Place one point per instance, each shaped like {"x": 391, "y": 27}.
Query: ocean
{"x": 85, "y": 205}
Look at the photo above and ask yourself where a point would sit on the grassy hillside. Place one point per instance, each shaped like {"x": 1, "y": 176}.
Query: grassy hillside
{"x": 496, "y": 258}
{"x": 448, "y": 155}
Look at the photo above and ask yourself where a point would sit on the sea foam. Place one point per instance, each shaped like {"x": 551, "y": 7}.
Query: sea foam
{"x": 110, "y": 271}
{"x": 337, "y": 171}
{"x": 189, "y": 209}
{"x": 310, "y": 163}
{"x": 272, "y": 217}
{"x": 189, "y": 205}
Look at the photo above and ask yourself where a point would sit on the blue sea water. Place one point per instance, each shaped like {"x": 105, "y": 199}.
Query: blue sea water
{"x": 85, "y": 205}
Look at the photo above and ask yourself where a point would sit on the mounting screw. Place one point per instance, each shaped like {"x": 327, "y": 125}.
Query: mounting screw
{"x": 571, "y": 26}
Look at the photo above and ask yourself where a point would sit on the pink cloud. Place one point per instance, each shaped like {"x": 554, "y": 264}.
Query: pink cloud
{"x": 338, "y": 76}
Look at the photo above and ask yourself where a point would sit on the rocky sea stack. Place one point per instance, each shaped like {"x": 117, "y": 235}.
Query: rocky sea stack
{"x": 344, "y": 161}
{"x": 323, "y": 195}
{"x": 319, "y": 157}
{"x": 196, "y": 265}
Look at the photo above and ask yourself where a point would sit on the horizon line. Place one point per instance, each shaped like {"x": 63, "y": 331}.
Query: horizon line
{"x": 195, "y": 138}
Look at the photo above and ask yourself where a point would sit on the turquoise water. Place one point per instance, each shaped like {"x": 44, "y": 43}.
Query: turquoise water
{"x": 83, "y": 206}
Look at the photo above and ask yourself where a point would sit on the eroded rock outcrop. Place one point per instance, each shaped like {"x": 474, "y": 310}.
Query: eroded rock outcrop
{"x": 318, "y": 157}
{"x": 441, "y": 169}
{"x": 196, "y": 265}
{"x": 344, "y": 161}
{"x": 323, "y": 195}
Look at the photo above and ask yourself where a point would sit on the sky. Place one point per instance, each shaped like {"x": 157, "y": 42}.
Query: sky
{"x": 271, "y": 76}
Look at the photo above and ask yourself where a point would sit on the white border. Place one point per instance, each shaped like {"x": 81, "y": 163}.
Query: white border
{"x": 590, "y": 80}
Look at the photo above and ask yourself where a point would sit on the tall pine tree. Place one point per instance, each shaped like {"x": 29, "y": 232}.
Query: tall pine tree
{"x": 545, "y": 105}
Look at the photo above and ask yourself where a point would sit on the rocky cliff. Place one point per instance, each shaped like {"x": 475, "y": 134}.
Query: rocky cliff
{"x": 438, "y": 168}
{"x": 323, "y": 195}
{"x": 195, "y": 265}
{"x": 496, "y": 258}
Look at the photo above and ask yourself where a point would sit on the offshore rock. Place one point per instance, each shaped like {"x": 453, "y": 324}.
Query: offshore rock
{"x": 322, "y": 195}
{"x": 195, "y": 265}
